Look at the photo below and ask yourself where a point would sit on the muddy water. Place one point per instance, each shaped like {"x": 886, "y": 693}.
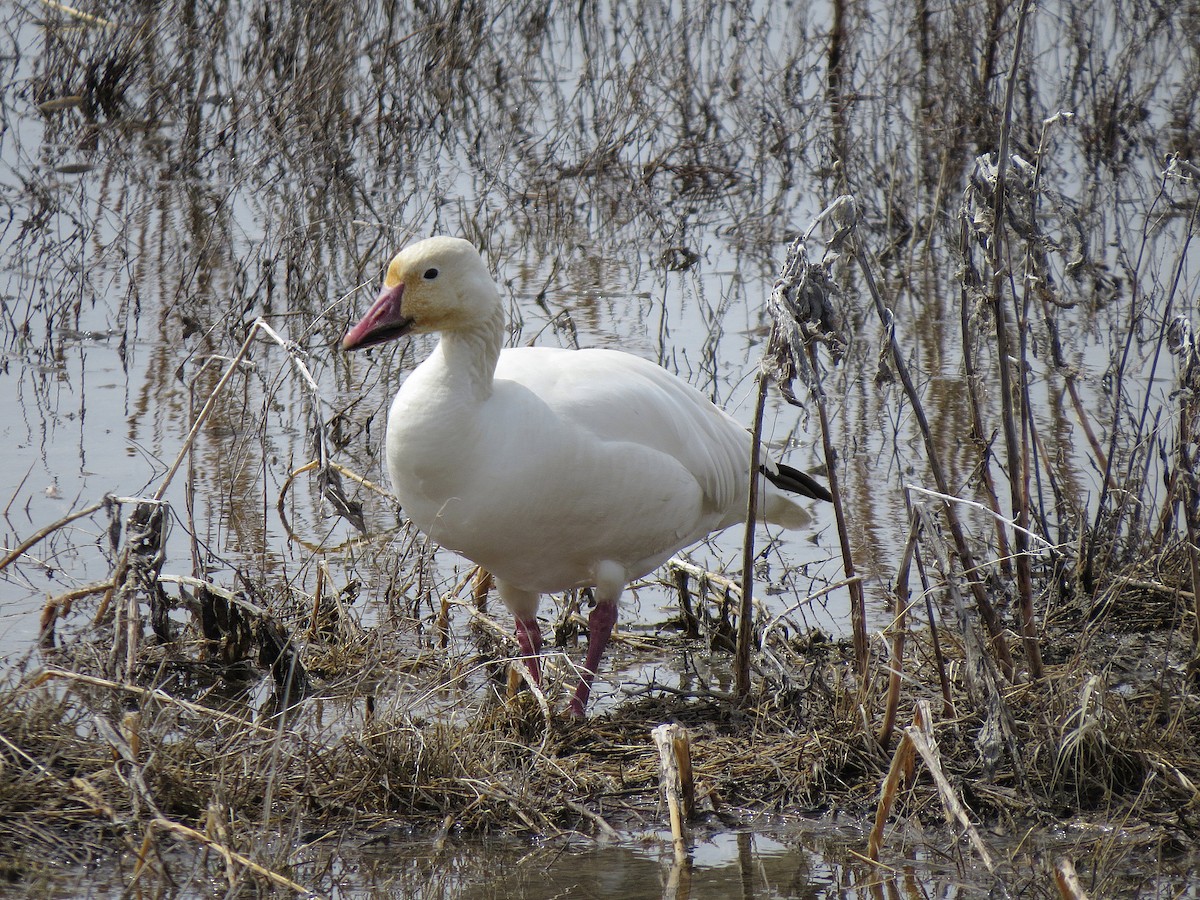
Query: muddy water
{"x": 633, "y": 174}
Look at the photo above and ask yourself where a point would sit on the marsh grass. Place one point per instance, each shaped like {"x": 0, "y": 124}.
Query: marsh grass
{"x": 1012, "y": 330}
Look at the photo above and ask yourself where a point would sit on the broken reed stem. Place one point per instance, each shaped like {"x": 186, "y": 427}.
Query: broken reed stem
{"x": 741, "y": 659}
{"x": 1067, "y": 881}
{"x": 901, "y": 769}
{"x": 966, "y": 559}
{"x": 22, "y": 548}
{"x": 921, "y": 736}
{"x": 897, "y": 627}
{"x": 675, "y": 779}
{"x": 918, "y": 738}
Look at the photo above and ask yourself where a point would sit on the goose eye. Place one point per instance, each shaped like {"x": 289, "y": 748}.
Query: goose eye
{"x": 431, "y": 274}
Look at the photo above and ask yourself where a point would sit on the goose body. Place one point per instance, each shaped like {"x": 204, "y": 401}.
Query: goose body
{"x": 552, "y": 469}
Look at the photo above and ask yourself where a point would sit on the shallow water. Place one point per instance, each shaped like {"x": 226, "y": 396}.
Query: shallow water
{"x": 780, "y": 861}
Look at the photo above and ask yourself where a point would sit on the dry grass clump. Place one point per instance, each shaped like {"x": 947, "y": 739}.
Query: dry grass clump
{"x": 393, "y": 737}
{"x": 93, "y": 755}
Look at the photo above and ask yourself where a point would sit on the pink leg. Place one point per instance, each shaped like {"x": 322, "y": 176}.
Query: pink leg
{"x": 529, "y": 638}
{"x": 524, "y": 605}
{"x": 600, "y": 629}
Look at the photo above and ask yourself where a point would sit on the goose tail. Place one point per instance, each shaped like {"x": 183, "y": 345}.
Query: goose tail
{"x": 788, "y": 479}
{"x": 781, "y": 508}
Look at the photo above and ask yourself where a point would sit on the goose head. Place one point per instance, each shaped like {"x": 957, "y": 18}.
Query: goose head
{"x": 438, "y": 284}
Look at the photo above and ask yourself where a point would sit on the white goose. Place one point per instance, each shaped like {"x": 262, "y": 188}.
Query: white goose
{"x": 552, "y": 469}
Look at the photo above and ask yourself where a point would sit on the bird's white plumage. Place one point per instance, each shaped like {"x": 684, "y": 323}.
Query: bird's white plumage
{"x": 550, "y": 468}
{"x": 575, "y": 457}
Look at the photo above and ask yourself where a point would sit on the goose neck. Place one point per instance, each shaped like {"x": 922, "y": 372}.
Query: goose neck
{"x": 472, "y": 353}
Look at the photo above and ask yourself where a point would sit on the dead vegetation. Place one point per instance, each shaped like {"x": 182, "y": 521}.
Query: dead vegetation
{"x": 181, "y": 751}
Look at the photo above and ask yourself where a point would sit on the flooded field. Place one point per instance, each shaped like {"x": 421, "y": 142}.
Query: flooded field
{"x": 231, "y": 665}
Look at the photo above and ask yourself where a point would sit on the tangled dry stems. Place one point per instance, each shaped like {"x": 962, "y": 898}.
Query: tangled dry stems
{"x": 1111, "y": 734}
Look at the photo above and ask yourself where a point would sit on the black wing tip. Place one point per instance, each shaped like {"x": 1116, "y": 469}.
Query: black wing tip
{"x": 788, "y": 479}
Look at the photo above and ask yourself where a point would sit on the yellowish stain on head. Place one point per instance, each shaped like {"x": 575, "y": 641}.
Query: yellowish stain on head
{"x": 395, "y": 272}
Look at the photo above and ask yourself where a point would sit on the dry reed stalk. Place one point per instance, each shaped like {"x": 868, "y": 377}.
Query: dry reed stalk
{"x": 329, "y": 467}
{"x": 137, "y": 573}
{"x": 962, "y": 501}
{"x": 607, "y": 832}
{"x": 1119, "y": 428}
{"x": 204, "y": 712}
{"x": 516, "y": 663}
{"x": 131, "y": 772}
{"x": 1068, "y": 372}
{"x": 691, "y": 625}
{"x": 142, "y": 860}
{"x": 900, "y": 595}
{"x": 86, "y": 18}
{"x": 482, "y": 583}
{"x": 966, "y": 558}
{"x": 22, "y": 548}
{"x": 1017, "y": 447}
{"x": 791, "y": 347}
{"x": 704, "y": 578}
{"x": 314, "y": 613}
{"x": 741, "y": 658}
{"x": 138, "y": 568}
{"x": 923, "y": 742}
{"x": 1194, "y": 559}
{"x": 780, "y": 617}
{"x": 834, "y": 83}
{"x": 1184, "y": 485}
{"x": 209, "y": 404}
{"x": 1067, "y": 881}
{"x": 978, "y": 433}
{"x": 858, "y": 599}
{"x": 802, "y": 315}
{"x": 142, "y": 554}
{"x": 442, "y": 622}
{"x": 901, "y": 769}
{"x": 60, "y": 607}
{"x": 720, "y": 590}
{"x": 679, "y": 881}
{"x": 998, "y": 731}
{"x": 675, "y": 781}
{"x": 918, "y": 738}
{"x": 948, "y": 709}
